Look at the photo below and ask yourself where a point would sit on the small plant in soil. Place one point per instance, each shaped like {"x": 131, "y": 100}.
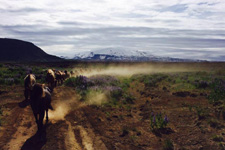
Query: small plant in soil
{"x": 217, "y": 138}
{"x": 168, "y": 145}
{"x": 217, "y": 95}
{"x": 215, "y": 124}
{"x": 201, "y": 113}
{"x": 158, "y": 122}
{"x": 125, "y": 132}
{"x": 0, "y": 116}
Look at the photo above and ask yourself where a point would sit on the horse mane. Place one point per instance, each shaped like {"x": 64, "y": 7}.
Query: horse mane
{"x": 27, "y": 76}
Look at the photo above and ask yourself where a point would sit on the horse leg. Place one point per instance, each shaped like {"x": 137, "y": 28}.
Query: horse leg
{"x": 36, "y": 118}
{"x": 46, "y": 115}
{"x": 40, "y": 124}
{"x": 40, "y": 121}
{"x": 26, "y": 94}
{"x": 55, "y": 83}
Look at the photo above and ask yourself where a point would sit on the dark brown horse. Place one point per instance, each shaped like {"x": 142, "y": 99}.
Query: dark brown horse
{"x": 67, "y": 74}
{"x": 29, "y": 81}
{"x": 60, "y": 77}
{"x": 40, "y": 102}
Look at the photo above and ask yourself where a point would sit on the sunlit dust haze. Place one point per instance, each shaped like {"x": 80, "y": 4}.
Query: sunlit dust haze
{"x": 62, "y": 108}
{"x": 96, "y": 98}
{"x": 123, "y": 70}
{"x": 71, "y": 102}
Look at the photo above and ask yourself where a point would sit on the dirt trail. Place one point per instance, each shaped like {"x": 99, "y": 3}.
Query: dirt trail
{"x": 25, "y": 129}
{"x": 70, "y": 141}
{"x": 61, "y": 133}
{"x": 77, "y": 137}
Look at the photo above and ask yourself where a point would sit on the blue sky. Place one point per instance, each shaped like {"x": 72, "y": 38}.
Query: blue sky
{"x": 174, "y": 28}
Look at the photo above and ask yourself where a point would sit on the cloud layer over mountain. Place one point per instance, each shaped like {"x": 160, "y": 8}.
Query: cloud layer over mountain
{"x": 185, "y": 29}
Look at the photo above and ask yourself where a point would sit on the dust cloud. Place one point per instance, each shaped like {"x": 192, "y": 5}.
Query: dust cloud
{"x": 60, "y": 111}
{"x": 96, "y": 98}
{"x": 62, "y": 108}
{"x": 70, "y": 103}
{"x": 129, "y": 70}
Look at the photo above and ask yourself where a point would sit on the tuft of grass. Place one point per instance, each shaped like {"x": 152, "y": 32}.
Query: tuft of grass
{"x": 125, "y": 132}
{"x": 133, "y": 138}
{"x": 217, "y": 138}
{"x": 128, "y": 99}
{"x": 217, "y": 92}
{"x": 215, "y": 124}
{"x": 0, "y": 116}
{"x": 168, "y": 145}
{"x": 201, "y": 112}
{"x": 125, "y": 84}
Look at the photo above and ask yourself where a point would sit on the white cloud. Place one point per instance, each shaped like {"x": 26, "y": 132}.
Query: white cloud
{"x": 61, "y": 26}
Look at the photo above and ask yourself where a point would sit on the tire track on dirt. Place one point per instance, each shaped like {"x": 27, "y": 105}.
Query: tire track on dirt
{"x": 64, "y": 100}
{"x": 77, "y": 137}
{"x": 86, "y": 140}
{"x": 70, "y": 141}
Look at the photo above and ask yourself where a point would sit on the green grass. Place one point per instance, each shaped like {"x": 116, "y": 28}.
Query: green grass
{"x": 217, "y": 93}
{"x": 14, "y": 75}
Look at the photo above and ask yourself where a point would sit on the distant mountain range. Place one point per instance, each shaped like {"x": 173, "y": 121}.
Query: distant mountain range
{"x": 12, "y": 50}
{"x": 111, "y": 54}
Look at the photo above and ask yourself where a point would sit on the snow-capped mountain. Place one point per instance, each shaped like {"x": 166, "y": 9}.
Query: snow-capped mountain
{"x": 111, "y": 54}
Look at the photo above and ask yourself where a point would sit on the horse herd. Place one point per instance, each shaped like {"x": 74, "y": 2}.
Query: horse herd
{"x": 39, "y": 95}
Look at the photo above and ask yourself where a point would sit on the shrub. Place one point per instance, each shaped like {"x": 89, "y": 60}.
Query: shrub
{"x": 18, "y": 81}
{"x": 80, "y": 82}
{"x": 116, "y": 92}
{"x": 215, "y": 124}
{"x": 218, "y": 91}
{"x": 168, "y": 145}
{"x": 125, "y": 132}
{"x": 125, "y": 84}
{"x": 217, "y": 138}
{"x": 201, "y": 84}
{"x": 157, "y": 121}
{"x": 9, "y": 81}
{"x": 104, "y": 80}
{"x": 0, "y": 116}
{"x": 0, "y": 111}
{"x": 152, "y": 80}
{"x": 128, "y": 98}
{"x": 201, "y": 113}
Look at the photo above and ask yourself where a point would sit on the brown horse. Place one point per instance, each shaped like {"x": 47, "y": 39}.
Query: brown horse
{"x": 67, "y": 74}
{"x": 40, "y": 102}
{"x": 60, "y": 77}
{"x": 50, "y": 78}
{"x": 29, "y": 81}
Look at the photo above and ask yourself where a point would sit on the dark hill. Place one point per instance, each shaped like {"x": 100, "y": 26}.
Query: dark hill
{"x": 22, "y": 51}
